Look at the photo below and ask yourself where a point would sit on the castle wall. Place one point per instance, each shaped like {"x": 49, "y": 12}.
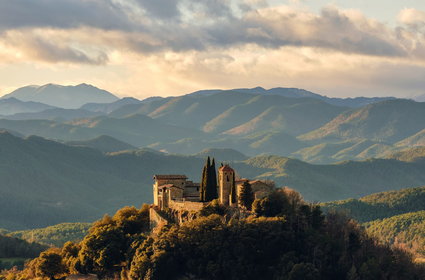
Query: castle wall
{"x": 186, "y": 205}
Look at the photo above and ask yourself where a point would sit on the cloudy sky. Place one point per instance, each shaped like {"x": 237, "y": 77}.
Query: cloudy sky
{"x": 169, "y": 47}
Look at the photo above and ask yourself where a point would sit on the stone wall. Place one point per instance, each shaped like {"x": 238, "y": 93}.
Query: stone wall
{"x": 156, "y": 218}
{"x": 186, "y": 205}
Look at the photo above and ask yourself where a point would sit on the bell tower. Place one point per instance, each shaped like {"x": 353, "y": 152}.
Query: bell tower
{"x": 226, "y": 182}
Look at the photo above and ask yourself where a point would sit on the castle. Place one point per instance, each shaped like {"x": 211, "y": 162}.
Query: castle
{"x": 177, "y": 192}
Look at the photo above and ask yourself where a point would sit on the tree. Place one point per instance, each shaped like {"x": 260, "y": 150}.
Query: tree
{"x": 208, "y": 188}
{"x": 211, "y": 187}
{"x": 246, "y": 196}
{"x": 49, "y": 264}
{"x": 204, "y": 180}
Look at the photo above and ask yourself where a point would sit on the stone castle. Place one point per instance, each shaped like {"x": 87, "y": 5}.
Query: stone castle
{"x": 178, "y": 193}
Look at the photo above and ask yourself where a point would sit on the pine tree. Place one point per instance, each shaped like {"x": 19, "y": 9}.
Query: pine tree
{"x": 211, "y": 186}
{"x": 246, "y": 196}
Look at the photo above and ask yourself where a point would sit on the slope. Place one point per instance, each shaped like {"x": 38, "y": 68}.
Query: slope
{"x": 389, "y": 121}
{"x": 11, "y": 106}
{"x": 103, "y": 143}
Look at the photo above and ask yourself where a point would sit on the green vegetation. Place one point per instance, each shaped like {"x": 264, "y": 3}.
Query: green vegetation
{"x": 56, "y": 235}
{"x": 406, "y": 231}
{"x": 246, "y": 196}
{"x": 15, "y": 251}
{"x": 208, "y": 188}
{"x": 396, "y": 218}
{"x": 77, "y": 184}
{"x": 381, "y": 205}
{"x": 104, "y": 143}
{"x": 284, "y": 238}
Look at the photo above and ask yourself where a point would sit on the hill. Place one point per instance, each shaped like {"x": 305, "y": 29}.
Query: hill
{"x": 410, "y": 154}
{"x": 107, "y": 108}
{"x": 137, "y": 130}
{"x": 222, "y": 154}
{"x": 389, "y": 121}
{"x": 300, "y": 93}
{"x": 382, "y": 205}
{"x": 57, "y": 114}
{"x": 11, "y": 106}
{"x": 242, "y": 112}
{"x": 68, "y": 97}
{"x": 56, "y": 235}
{"x": 406, "y": 231}
{"x": 78, "y": 184}
{"x": 395, "y": 218}
{"x": 103, "y": 143}
{"x": 415, "y": 140}
{"x": 341, "y": 180}
{"x": 282, "y": 238}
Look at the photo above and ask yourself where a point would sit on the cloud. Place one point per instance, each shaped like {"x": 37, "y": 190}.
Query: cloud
{"x": 146, "y": 26}
{"x": 413, "y": 18}
{"x": 103, "y": 14}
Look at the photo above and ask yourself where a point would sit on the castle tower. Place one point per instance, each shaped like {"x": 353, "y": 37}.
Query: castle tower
{"x": 226, "y": 182}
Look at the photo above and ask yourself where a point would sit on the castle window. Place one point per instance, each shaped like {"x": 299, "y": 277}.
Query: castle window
{"x": 227, "y": 177}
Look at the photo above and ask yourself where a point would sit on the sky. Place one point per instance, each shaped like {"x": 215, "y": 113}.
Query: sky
{"x": 145, "y": 48}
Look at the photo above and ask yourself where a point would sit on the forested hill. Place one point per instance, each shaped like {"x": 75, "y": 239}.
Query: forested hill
{"x": 396, "y": 218}
{"x": 78, "y": 184}
{"x": 381, "y": 205}
{"x": 282, "y": 237}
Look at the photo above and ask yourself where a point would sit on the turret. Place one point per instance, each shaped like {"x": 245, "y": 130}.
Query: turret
{"x": 226, "y": 183}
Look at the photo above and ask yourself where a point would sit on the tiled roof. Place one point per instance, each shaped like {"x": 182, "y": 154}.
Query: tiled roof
{"x": 226, "y": 168}
{"x": 169, "y": 177}
{"x": 167, "y": 186}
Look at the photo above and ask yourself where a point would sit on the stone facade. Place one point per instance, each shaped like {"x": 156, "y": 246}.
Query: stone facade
{"x": 176, "y": 192}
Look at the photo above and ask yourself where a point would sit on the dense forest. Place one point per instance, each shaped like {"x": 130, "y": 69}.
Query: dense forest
{"x": 396, "y": 218}
{"x": 283, "y": 237}
{"x": 14, "y": 251}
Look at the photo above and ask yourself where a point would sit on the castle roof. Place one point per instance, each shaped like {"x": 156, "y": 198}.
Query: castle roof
{"x": 169, "y": 186}
{"x": 226, "y": 168}
{"x": 169, "y": 177}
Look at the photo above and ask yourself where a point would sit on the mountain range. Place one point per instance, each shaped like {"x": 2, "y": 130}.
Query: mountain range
{"x": 280, "y": 121}
{"x": 64, "y": 183}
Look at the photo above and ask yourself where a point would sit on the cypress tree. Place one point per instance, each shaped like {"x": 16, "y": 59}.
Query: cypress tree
{"x": 204, "y": 181}
{"x": 246, "y": 197}
{"x": 211, "y": 186}
{"x": 233, "y": 194}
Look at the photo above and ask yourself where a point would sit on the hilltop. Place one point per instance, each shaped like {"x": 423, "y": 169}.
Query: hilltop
{"x": 68, "y": 97}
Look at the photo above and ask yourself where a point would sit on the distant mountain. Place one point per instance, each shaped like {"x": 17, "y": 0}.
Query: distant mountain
{"x": 11, "y": 106}
{"x": 103, "y": 143}
{"x": 107, "y": 108}
{"x": 346, "y": 179}
{"x": 300, "y": 93}
{"x": 222, "y": 154}
{"x": 68, "y": 97}
{"x": 388, "y": 121}
{"x": 58, "y": 114}
{"x": 137, "y": 130}
{"x": 237, "y": 113}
